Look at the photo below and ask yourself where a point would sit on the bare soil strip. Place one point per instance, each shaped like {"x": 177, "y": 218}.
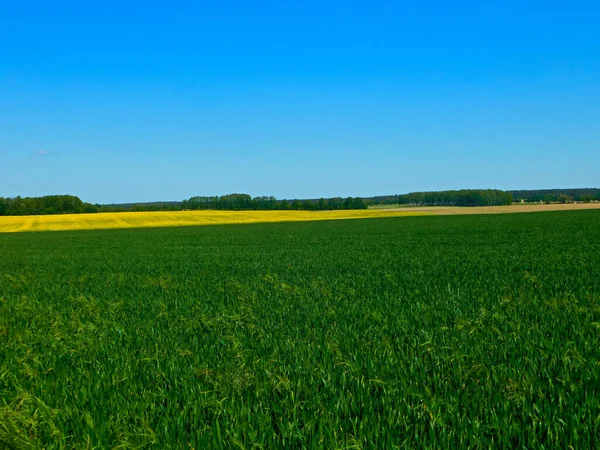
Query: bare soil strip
{"x": 516, "y": 208}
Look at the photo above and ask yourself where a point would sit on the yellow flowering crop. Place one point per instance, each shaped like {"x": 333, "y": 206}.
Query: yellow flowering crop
{"x": 179, "y": 218}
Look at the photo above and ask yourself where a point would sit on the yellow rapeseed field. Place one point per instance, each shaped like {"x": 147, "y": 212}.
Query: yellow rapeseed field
{"x": 179, "y": 218}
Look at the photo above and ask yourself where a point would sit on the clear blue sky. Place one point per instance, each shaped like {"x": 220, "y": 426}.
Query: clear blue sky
{"x": 118, "y": 101}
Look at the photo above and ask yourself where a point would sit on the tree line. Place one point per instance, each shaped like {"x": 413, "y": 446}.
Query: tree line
{"x": 557, "y": 195}
{"x": 70, "y": 204}
{"x": 49, "y": 204}
{"x": 246, "y": 202}
{"x": 147, "y": 206}
{"x": 464, "y": 197}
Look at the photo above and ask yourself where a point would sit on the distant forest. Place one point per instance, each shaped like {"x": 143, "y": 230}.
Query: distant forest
{"x": 246, "y": 202}
{"x": 70, "y": 204}
{"x": 487, "y": 197}
{"x": 50, "y": 204}
{"x": 557, "y": 195}
{"x": 465, "y": 197}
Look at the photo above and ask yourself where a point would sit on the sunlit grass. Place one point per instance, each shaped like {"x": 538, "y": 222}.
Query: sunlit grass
{"x": 179, "y": 218}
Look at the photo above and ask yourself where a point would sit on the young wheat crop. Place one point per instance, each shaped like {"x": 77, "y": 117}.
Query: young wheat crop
{"x": 420, "y": 332}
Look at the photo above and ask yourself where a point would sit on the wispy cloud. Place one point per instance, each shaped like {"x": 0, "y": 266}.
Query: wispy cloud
{"x": 44, "y": 153}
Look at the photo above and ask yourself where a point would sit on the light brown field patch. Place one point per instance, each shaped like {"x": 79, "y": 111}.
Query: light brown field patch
{"x": 515, "y": 208}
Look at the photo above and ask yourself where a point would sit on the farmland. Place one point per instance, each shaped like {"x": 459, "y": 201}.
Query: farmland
{"x": 430, "y": 331}
{"x": 113, "y": 220}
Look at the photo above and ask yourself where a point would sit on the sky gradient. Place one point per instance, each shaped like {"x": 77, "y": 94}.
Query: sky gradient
{"x": 148, "y": 101}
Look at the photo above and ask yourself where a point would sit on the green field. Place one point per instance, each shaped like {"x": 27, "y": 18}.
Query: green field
{"x": 417, "y": 332}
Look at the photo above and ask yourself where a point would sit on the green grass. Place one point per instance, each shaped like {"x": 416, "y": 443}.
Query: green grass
{"x": 419, "y": 332}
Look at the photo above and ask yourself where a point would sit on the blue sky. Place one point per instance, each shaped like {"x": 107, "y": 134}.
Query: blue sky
{"x": 141, "y": 101}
